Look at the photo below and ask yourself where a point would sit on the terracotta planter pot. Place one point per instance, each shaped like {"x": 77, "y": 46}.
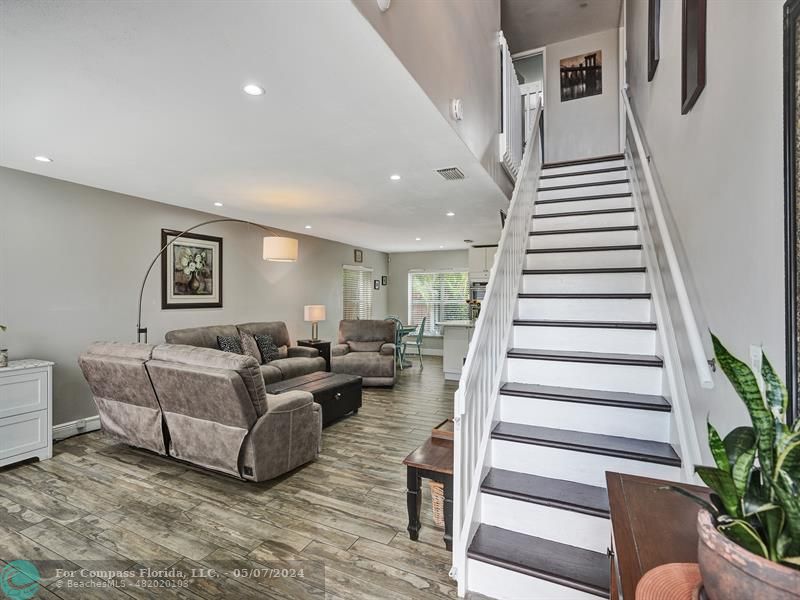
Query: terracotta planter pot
{"x": 730, "y": 572}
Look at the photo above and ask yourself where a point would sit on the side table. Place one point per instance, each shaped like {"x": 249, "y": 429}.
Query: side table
{"x": 26, "y": 401}
{"x": 433, "y": 460}
{"x": 324, "y": 348}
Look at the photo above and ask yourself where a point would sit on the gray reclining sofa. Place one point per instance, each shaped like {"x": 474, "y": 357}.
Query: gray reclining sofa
{"x": 203, "y": 406}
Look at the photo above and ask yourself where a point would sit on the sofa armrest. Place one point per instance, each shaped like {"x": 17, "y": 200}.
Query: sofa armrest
{"x": 289, "y": 401}
{"x": 388, "y": 349}
{"x": 303, "y": 351}
{"x": 340, "y": 350}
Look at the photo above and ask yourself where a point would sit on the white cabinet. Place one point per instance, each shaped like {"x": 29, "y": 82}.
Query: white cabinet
{"x": 26, "y": 398}
{"x": 457, "y": 336}
{"x": 480, "y": 259}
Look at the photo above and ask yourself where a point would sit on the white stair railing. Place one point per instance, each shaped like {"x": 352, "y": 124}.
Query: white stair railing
{"x": 511, "y": 137}
{"x": 483, "y": 369}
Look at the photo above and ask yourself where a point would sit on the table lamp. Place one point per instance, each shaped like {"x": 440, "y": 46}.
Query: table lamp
{"x": 314, "y": 313}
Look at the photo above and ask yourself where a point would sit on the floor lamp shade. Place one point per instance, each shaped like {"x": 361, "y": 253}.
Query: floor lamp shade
{"x": 280, "y": 249}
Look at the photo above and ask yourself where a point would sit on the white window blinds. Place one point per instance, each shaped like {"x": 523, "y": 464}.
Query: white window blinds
{"x": 439, "y": 297}
{"x": 357, "y": 293}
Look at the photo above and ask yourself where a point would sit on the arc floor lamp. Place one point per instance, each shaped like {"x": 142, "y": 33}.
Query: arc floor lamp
{"x": 276, "y": 248}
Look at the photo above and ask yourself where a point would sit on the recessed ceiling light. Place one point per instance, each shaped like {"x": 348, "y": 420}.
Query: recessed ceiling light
{"x": 217, "y": 203}
{"x": 253, "y": 90}
{"x": 308, "y": 226}
{"x": 451, "y": 214}
{"x": 42, "y": 158}
{"x": 441, "y": 246}
{"x": 418, "y": 239}
{"x": 394, "y": 177}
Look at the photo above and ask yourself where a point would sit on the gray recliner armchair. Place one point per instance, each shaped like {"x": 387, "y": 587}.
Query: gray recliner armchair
{"x": 215, "y": 410}
{"x": 366, "y": 348}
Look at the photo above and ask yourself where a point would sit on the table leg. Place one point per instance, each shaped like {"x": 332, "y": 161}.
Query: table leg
{"x": 413, "y": 501}
{"x": 448, "y": 512}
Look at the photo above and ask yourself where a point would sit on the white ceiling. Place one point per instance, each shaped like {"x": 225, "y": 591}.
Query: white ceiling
{"x": 529, "y": 24}
{"x": 145, "y": 98}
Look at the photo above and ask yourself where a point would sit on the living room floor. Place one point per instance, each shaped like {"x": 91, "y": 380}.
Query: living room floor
{"x": 341, "y": 519}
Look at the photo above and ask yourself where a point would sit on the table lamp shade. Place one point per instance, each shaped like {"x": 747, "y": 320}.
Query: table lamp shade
{"x": 314, "y": 312}
{"x": 280, "y": 249}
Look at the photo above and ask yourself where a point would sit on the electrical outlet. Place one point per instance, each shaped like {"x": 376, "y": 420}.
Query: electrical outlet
{"x": 81, "y": 424}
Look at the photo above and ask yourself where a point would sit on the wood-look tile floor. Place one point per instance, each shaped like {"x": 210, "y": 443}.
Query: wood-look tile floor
{"x": 341, "y": 519}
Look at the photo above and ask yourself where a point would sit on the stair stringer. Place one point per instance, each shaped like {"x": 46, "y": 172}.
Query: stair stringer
{"x": 684, "y": 433}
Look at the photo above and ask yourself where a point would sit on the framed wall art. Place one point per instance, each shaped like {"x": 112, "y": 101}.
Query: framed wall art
{"x": 693, "y": 52}
{"x": 191, "y": 271}
{"x": 653, "y": 37}
{"x": 581, "y": 75}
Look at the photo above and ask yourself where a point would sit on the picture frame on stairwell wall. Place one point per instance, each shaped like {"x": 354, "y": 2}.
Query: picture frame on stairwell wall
{"x": 791, "y": 172}
{"x": 693, "y": 52}
{"x": 653, "y": 37}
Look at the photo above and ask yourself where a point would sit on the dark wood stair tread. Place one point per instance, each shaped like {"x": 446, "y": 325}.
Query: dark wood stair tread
{"x": 587, "y": 270}
{"x": 602, "y": 358}
{"x": 585, "y": 324}
{"x": 580, "y": 396}
{"x": 583, "y": 213}
{"x": 592, "y": 443}
{"x": 579, "y": 198}
{"x": 583, "y": 161}
{"x": 557, "y": 493}
{"x": 589, "y": 172}
{"x": 584, "y": 249}
{"x": 573, "y": 567}
{"x": 583, "y": 185}
{"x": 587, "y": 296}
{"x": 586, "y": 230}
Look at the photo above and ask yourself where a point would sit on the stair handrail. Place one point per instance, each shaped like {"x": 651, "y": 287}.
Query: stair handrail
{"x": 702, "y": 363}
{"x": 483, "y": 368}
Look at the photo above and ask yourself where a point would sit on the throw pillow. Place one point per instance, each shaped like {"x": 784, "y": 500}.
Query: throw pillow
{"x": 230, "y": 343}
{"x": 266, "y": 346}
{"x": 250, "y": 347}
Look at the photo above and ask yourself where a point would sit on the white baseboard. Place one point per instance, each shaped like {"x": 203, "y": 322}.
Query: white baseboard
{"x": 65, "y": 430}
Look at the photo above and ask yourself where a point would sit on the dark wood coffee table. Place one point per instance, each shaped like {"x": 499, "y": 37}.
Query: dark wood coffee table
{"x": 433, "y": 460}
{"x": 337, "y": 394}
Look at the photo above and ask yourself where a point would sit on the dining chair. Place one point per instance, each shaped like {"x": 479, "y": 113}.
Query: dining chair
{"x": 398, "y": 328}
{"x": 417, "y": 342}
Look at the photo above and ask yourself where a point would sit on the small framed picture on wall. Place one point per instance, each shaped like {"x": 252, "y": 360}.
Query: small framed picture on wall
{"x": 358, "y": 256}
{"x": 384, "y": 280}
{"x": 376, "y": 284}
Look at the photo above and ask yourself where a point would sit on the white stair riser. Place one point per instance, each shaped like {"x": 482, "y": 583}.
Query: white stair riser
{"x": 585, "y": 309}
{"x": 607, "y": 164}
{"x": 600, "y": 204}
{"x": 584, "y": 221}
{"x": 581, "y": 467}
{"x": 586, "y": 376}
{"x": 503, "y": 584}
{"x": 590, "y": 418}
{"x": 584, "y": 283}
{"x": 584, "y": 260}
{"x": 560, "y": 525}
{"x": 582, "y": 240}
{"x": 592, "y": 190}
{"x": 586, "y": 339}
{"x": 576, "y": 179}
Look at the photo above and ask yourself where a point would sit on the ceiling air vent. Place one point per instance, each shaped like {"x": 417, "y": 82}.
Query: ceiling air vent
{"x": 451, "y": 173}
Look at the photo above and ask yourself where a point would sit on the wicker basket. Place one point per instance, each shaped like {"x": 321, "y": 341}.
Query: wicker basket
{"x": 437, "y": 502}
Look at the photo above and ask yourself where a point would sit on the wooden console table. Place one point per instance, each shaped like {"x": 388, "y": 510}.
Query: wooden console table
{"x": 651, "y": 527}
{"x": 433, "y": 460}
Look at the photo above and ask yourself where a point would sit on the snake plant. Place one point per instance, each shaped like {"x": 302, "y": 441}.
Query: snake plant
{"x": 755, "y": 482}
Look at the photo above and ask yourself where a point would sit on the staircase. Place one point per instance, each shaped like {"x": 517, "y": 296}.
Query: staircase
{"x": 582, "y": 394}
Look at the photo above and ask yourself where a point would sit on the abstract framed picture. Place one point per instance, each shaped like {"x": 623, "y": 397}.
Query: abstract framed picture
{"x": 582, "y": 76}
{"x": 384, "y": 280}
{"x": 191, "y": 270}
{"x": 358, "y": 256}
{"x": 376, "y": 284}
{"x": 653, "y": 37}
{"x": 791, "y": 178}
{"x": 693, "y": 52}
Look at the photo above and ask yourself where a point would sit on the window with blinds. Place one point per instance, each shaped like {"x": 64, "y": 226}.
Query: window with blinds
{"x": 439, "y": 297}
{"x": 357, "y": 293}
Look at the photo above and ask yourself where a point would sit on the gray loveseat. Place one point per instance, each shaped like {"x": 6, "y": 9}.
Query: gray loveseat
{"x": 366, "y": 347}
{"x": 293, "y": 362}
{"x": 203, "y": 406}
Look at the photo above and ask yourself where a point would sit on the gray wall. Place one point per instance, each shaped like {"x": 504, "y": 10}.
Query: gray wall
{"x": 451, "y": 49}
{"x": 720, "y": 167}
{"x": 588, "y": 126}
{"x": 401, "y": 263}
{"x": 72, "y": 258}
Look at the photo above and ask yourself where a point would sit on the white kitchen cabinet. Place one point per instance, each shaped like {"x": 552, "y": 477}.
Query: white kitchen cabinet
{"x": 26, "y": 399}
{"x": 457, "y": 336}
{"x": 480, "y": 259}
